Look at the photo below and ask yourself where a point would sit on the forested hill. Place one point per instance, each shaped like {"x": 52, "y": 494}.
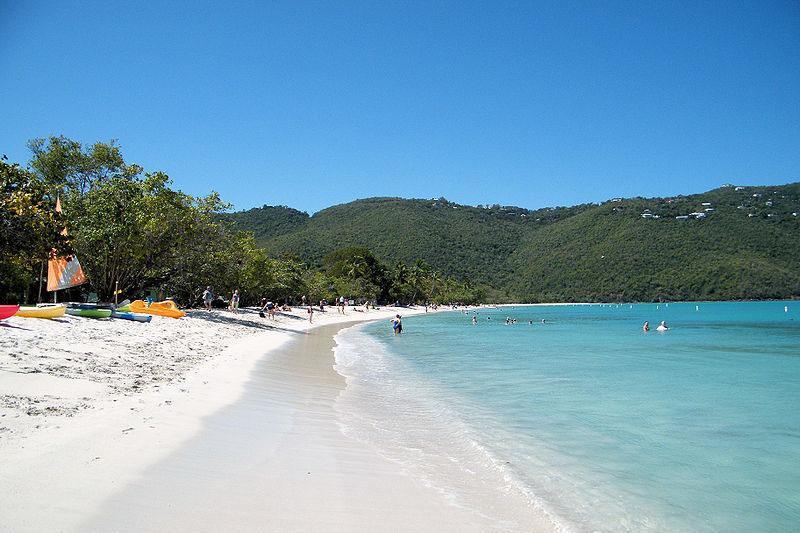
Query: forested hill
{"x": 728, "y": 243}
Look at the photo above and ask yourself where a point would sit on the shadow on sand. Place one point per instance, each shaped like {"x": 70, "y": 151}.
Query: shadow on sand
{"x": 245, "y": 317}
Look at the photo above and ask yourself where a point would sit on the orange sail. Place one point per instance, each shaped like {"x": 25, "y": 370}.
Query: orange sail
{"x": 64, "y": 272}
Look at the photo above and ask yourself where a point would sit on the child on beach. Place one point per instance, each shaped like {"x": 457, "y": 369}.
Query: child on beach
{"x": 234, "y": 305}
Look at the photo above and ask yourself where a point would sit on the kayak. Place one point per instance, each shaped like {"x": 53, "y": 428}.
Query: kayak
{"x": 138, "y": 317}
{"x": 50, "y": 311}
{"x": 8, "y": 310}
{"x": 89, "y": 313}
{"x": 165, "y": 308}
{"x": 88, "y": 306}
{"x": 123, "y": 308}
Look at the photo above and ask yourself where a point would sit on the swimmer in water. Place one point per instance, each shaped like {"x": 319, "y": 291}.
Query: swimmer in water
{"x": 646, "y": 326}
{"x": 662, "y": 327}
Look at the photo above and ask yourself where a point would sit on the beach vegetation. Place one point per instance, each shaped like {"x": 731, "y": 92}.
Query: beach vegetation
{"x": 30, "y": 231}
{"x": 134, "y": 231}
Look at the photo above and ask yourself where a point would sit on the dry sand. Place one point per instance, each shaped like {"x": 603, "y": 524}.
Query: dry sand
{"x": 101, "y": 420}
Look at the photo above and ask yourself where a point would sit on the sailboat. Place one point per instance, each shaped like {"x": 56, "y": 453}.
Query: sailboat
{"x": 64, "y": 272}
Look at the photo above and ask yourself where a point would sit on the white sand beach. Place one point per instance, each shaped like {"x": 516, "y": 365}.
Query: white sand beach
{"x": 98, "y": 418}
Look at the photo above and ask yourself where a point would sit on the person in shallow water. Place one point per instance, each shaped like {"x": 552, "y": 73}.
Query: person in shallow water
{"x": 397, "y": 325}
{"x": 662, "y": 327}
{"x": 646, "y": 326}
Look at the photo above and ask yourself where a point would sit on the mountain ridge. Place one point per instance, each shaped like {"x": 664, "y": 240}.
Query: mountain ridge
{"x": 727, "y": 243}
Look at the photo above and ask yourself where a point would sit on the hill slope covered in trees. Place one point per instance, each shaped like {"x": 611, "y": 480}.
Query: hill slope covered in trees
{"x": 735, "y": 243}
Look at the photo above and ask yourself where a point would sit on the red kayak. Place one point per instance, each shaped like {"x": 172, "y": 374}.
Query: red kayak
{"x": 8, "y": 310}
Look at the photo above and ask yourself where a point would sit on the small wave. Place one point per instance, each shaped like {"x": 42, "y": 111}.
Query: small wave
{"x": 390, "y": 406}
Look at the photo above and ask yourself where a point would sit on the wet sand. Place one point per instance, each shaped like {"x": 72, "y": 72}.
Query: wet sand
{"x": 276, "y": 460}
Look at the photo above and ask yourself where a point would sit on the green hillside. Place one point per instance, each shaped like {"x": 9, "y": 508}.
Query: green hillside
{"x": 746, "y": 244}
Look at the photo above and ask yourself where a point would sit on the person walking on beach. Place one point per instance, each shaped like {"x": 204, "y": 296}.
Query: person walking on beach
{"x": 397, "y": 325}
{"x": 341, "y": 303}
{"x": 207, "y": 297}
{"x": 234, "y": 305}
{"x": 310, "y": 314}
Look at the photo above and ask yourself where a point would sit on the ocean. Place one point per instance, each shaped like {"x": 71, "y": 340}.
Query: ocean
{"x": 587, "y": 419}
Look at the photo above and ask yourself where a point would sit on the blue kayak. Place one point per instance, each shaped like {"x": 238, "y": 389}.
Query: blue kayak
{"x": 139, "y": 317}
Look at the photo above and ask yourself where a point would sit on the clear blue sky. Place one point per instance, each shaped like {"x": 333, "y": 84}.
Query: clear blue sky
{"x": 313, "y": 104}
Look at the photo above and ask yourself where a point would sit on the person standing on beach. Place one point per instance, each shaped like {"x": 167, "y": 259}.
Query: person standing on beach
{"x": 234, "y": 306}
{"x": 310, "y": 314}
{"x": 207, "y": 297}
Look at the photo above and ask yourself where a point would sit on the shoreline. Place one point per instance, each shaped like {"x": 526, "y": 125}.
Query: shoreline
{"x": 277, "y": 460}
{"x": 97, "y": 430}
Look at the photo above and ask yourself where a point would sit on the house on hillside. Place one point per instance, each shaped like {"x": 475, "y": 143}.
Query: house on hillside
{"x": 698, "y": 214}
{"x": 682, "y": 217}
{"x": 740, "y": 188}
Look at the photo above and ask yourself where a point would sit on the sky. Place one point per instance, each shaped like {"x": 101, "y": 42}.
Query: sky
{"x": 312, "y": 104}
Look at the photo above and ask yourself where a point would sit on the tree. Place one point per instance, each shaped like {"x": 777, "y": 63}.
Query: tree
{"x": 67, "y": 168}
{"x": 434, "y": 277}
{"x": 30, "y": 229}
{"x": 355, "y": 269}
{"x": 135, "y": 231}
{"x": 417, "y": 276}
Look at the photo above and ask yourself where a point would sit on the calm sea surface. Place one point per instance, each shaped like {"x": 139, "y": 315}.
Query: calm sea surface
{"x": 587, "y": 418}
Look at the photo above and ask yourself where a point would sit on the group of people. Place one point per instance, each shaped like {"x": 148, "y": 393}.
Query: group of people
{"x": 662, "y": 327}
{"x": 268, "y": 307}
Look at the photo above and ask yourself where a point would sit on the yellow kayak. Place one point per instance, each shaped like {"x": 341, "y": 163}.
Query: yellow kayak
{"x": 165, "y": 308}
{"x": 48, "y": 311}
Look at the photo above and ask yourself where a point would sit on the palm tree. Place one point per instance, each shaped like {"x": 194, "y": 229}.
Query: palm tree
{"x": 355, "y": 268}
{"x": 434, "y": 278}
{"x": 417, "y": 275}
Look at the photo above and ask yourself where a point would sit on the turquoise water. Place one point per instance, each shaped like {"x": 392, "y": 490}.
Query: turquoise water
{"x": 586, "y": 418}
